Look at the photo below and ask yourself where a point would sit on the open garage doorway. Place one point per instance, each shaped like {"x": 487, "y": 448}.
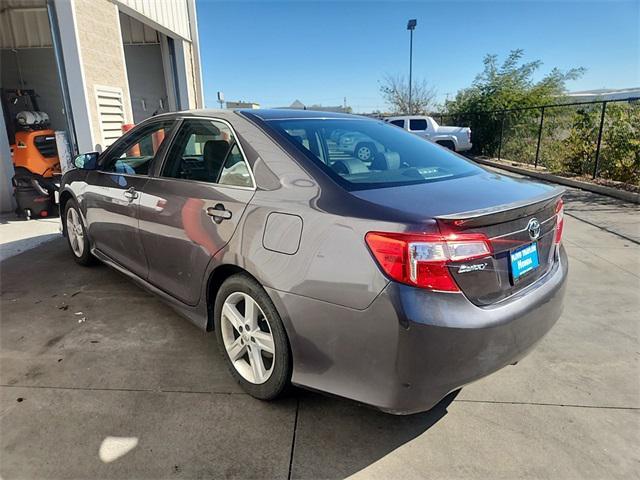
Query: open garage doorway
{"x": 149, "y": 69}
{"x": 34, "y": 119}
{"x": 28, "y": 77}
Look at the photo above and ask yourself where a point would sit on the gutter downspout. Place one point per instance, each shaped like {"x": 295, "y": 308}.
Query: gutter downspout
{"x": 62, "y": 75}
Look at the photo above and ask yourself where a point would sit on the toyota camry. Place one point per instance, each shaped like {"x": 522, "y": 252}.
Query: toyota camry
{"x": 390, "y": 279}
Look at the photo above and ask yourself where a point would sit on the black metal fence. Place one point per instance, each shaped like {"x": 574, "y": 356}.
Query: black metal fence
{"x": 600, "y": 139}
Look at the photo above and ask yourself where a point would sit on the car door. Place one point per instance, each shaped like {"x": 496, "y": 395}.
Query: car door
{"x": 112, "y": 197}
{"x": 191, "y": 208}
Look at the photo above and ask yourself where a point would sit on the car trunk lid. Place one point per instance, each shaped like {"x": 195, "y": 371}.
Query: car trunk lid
{"x": 523, "y": 242}
{"x": 497, "y": 206}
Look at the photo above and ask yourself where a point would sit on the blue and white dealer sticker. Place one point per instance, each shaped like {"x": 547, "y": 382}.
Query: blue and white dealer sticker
{"x": 524, "y": 260}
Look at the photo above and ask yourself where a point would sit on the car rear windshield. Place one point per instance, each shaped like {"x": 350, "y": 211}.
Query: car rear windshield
{"x": 362, "y": 154}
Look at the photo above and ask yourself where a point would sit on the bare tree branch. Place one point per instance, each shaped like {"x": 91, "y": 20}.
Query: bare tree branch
{"x": 395, "y": 91}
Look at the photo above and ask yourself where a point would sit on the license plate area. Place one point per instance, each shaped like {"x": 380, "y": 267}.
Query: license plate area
{"x": 524, "y": 260}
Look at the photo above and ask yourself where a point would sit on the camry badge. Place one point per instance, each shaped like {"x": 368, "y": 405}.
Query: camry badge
{"x": 533, "y": 227}
{"x": 472, "y": 268}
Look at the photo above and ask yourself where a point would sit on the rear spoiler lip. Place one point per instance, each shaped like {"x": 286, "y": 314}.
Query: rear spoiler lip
{"x": 502, "y": 213}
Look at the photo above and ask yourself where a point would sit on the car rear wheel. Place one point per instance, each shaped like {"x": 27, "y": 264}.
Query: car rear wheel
{"x": 448, "y": 144}
{"x": 77, "y": 235}
{"x": 251, "y": 337}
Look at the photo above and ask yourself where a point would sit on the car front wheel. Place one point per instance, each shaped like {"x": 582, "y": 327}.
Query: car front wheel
{"x": 365, "y": 152}
{"x": 77, "y": 234}
{"x": 251, "y": 337}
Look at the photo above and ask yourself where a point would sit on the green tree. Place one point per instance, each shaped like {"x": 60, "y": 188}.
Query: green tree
{"x": 579, "y": 148}
{"x": 502, "y": 87}
{"x": 620, "y": 151}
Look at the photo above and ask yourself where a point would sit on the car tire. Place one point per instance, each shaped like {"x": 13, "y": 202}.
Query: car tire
{"x": 242, "y": 351}
{"x": 448, "y": 144}
{"x": 77, "y": 237}
{"x": 365, "y": 152}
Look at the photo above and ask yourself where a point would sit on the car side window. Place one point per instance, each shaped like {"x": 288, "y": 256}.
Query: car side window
{"x": 397, "y": 123}
{"x": 235, "y": 171}
{"x": 417, "y": 124}
{"x": 206, "y": 151}
{"x": 134, "y": 154}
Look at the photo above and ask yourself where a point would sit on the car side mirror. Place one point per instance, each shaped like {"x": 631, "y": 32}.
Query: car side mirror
{"x": 87, "y": 161}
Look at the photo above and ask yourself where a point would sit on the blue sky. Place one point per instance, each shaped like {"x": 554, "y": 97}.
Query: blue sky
{"x": 320, "y": 52}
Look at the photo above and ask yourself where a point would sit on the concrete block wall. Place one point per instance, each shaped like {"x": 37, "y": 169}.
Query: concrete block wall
{"x": 102, "y": 55}
{"x": 191, "y": 75}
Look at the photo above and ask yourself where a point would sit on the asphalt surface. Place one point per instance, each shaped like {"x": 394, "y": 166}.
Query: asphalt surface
{"x": 99, "y": 379}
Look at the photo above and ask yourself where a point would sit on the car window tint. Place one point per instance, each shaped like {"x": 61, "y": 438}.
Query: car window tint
{"x": 363, "y": 153}
{"x": 418, "y": 124}
{"x": 235, "y": 171}
{"x": 397, "y": 123}
{"x": 310, "y": 141}
{"x": 207, "y": 151}
{"x": 134, "y": 154}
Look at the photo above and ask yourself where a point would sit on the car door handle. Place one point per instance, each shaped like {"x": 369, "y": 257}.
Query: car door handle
{"x": 219, "y": 213}
{"x": 131, "y": 194}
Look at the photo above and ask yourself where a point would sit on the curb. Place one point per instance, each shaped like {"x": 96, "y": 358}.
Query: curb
{"x": 590, "y": 187}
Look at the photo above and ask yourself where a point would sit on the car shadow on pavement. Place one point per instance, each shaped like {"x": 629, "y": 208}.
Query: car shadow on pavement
{"x": 97, "y": 351}
{"x": 11, "y": 248}
{"x": 336, "y": 438}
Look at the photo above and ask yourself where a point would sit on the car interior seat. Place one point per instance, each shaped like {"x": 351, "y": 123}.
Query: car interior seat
{"x": 214, "y": 154}
{"x": 386, "y": 161}
{"x": 348, "y": 166}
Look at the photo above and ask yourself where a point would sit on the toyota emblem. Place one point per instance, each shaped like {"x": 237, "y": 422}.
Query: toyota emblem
{"x": 533, "y": 227}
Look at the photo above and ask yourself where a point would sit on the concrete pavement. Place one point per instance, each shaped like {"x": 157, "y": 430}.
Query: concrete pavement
{"x": 99, "y": 379}
{"x": 18, "y": 235}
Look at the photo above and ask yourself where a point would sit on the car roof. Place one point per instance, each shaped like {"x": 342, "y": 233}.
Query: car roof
{"x": 200, "y": 112}
{"x": 406, "y": 117}
{"x": 289, "y": 113}
{"x": 264, "y": 114}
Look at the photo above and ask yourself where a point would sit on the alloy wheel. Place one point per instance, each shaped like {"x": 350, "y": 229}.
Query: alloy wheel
{"x": 75, "y": 232}
{"x": 364, "y": 154}
{"x": 247, "y": 338}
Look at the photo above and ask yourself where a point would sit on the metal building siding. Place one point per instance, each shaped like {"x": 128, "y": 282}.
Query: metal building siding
{"x": 137, "y": 33}
{"x": 24, "y": 24}
{"x": 170, "y": 14}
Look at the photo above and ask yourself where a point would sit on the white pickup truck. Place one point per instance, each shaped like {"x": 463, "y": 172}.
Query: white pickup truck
{"x": 457, "y": 139}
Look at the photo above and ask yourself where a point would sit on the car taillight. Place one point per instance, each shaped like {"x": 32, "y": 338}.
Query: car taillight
{"x": 559, "y": 220}
{"x": 422, "y": 260}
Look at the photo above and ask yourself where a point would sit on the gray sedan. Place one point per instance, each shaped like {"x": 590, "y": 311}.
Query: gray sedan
{"x": 391, "y": 281}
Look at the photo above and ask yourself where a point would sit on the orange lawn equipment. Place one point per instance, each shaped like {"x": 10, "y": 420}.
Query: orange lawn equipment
{"x": 36, "y": 152}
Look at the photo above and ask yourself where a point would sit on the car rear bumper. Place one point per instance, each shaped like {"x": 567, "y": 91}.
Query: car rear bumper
{"x": 411, "y": 347}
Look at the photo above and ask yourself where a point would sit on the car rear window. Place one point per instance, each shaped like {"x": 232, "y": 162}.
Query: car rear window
{"x": 362, "y": 154}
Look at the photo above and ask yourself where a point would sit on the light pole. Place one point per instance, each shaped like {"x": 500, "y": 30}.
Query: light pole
{"x": 411, "y": 26}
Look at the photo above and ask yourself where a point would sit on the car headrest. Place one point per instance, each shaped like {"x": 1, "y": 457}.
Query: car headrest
{"x": 213, "y": 155}
{"x": 386, "y": 161}
{"x": 298, "y": 139}
{"x": 348, "y": 166}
